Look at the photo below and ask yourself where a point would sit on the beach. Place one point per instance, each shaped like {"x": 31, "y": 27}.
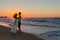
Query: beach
{"x": 5, "y": 34}
{"x": 32, "y": 29}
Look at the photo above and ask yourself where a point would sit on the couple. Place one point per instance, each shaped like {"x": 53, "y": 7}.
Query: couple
{"x": 16, "y": 23}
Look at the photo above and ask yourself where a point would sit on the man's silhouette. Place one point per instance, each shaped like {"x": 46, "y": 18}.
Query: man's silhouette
{"x": 19, "y": 21}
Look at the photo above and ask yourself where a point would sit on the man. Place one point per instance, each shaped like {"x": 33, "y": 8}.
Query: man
{"x": 19, "y": 21}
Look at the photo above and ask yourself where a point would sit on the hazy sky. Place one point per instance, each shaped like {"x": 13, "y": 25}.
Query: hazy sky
{"x": 31, "y": 8}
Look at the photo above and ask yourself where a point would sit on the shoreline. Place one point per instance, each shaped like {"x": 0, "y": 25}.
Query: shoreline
{"x": 5, "y": 34}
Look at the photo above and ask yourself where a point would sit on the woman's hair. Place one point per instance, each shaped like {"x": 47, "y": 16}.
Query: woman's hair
{"x": 15, "y": 16}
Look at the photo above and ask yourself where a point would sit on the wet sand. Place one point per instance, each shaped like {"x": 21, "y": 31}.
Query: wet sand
{"x": 5, "y": 34}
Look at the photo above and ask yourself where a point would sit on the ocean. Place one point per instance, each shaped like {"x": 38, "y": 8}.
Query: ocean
{"x": 47, "y": 28}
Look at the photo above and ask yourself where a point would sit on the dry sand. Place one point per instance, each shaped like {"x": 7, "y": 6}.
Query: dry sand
{"x": 5, "y": 34}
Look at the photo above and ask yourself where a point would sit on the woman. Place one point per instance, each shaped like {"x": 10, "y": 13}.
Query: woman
{"x": 15, "y": 24}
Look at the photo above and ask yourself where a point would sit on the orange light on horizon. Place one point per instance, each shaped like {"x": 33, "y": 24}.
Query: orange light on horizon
{"x": 26, "y": 14}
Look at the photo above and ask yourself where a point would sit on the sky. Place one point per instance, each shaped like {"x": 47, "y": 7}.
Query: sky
{"x": 30, "y": 8}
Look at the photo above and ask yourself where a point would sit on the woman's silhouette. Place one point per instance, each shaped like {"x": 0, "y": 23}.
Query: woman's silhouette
{"x": 15, "y": 23}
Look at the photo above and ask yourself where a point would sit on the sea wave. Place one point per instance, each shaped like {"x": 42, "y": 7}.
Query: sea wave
{"x": 51, "y": 35}
{"x": 42, "y": 22}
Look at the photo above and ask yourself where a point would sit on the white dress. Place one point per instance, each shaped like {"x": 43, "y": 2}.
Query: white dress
{"x": 14, "y": 27}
